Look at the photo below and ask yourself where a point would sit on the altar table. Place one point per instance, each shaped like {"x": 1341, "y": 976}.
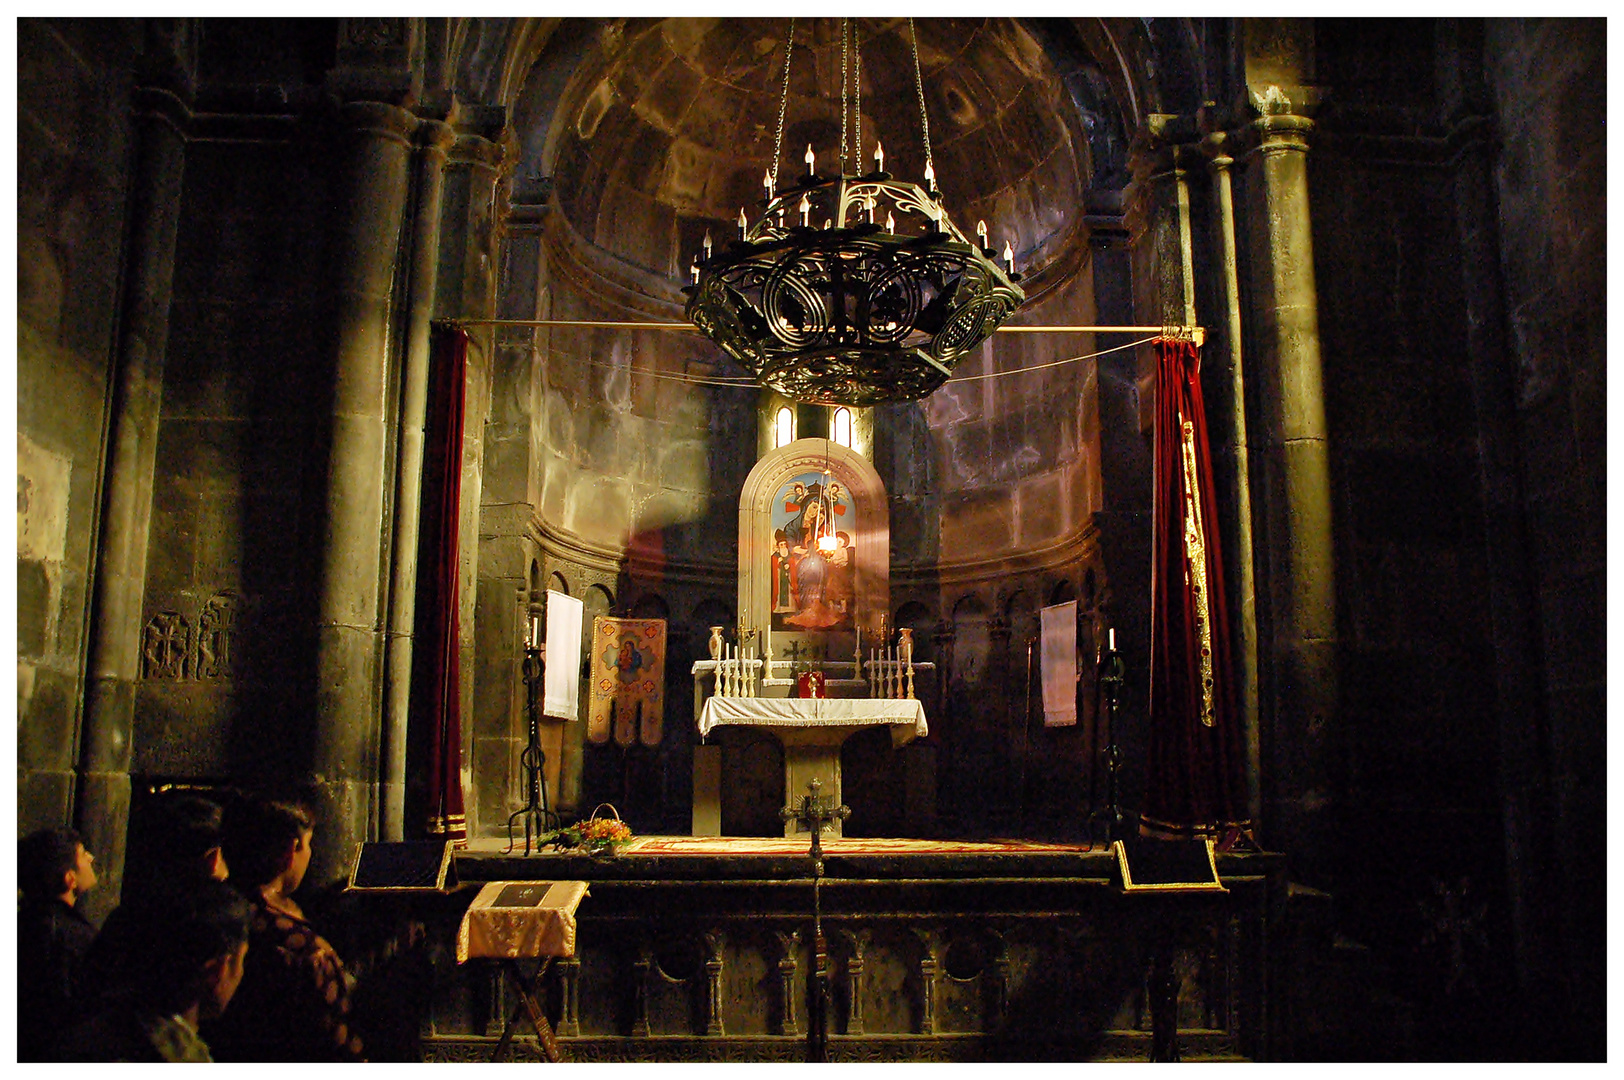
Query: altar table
{"x": 811, "y": 731}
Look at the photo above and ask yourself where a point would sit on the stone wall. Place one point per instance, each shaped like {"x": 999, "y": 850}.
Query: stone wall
{"x": 1549, "y": 82}
{"x": 73, "y": 150}
{"x": 235, "y": 529}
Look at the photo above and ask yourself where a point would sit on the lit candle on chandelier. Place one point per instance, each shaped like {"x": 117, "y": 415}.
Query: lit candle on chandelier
{"x": 1111, "y": 643}
{"x": 930, "y": 175}
{"x": 981, "y": 233}
{"x": 743, "y": 224}
{"x": 767, "y": 182}
{"x": 868, "y": 207}
{"x": 806, "y": 211}
{"x": 1009, "y": 258}
{"x": 810, "y": 171}
{"x": 890, "y": 222}
{"x": 879, "y": 157}
{"x": 693, "y": 268}
{"x": 707, "y": 245}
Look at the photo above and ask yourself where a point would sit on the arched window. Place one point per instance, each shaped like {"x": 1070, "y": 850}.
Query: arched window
{"x": 840, "y": 429}
{"x": 784, "y": 427}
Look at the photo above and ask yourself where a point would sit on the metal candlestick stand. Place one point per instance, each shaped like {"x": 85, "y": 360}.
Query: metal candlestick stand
{"x": 815, "y": 814}
{"x": 1112, "y": 671}
{"x": 538, "y": 816}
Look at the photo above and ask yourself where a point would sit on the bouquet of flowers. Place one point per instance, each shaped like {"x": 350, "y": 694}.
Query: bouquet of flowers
{"x": 597, "y": 835}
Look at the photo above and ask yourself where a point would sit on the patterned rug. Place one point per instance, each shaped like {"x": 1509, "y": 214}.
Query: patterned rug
{"x": 778, "y": 845}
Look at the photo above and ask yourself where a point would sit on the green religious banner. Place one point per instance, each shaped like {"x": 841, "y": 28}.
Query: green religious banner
{"x": 628, "y": 681}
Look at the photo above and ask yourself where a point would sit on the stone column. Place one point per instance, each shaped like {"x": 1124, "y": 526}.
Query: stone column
{"x": 491, "y": 538}
{"x": 1226, "y": 418}
{"x": 1123, "y": 521}
{"x": 433, "y": 138}
{"x": 114, "y": 661}
{"x": 343, "y": 773}
{"x": 1298, "y": 562}
{"x": 1159, "y": 222}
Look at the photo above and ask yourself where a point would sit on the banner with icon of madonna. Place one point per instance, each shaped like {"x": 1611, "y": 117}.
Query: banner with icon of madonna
{"x": 628, "y": 681}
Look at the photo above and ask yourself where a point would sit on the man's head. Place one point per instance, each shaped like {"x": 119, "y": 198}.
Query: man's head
{"x": 195, "y": 947}
{"x": 265, "y": 841}
{"x": 187, "y": 844}
{"x": 54, "y": 863}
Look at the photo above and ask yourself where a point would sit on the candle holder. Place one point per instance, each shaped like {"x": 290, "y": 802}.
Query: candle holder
{"x": 1112, "y": 673}
{"x": 537, "y": 816}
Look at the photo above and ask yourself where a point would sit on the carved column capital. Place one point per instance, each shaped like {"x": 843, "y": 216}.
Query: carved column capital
{"x": 379, "y": 119}
{"x": 435, "y": 136}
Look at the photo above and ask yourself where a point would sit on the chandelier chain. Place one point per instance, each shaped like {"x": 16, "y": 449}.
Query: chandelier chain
{"x": 857, "y": 99}
{"x": 845, "y": 26}
{"x": 919, "y": 87}
{"x": 783, "y": 101}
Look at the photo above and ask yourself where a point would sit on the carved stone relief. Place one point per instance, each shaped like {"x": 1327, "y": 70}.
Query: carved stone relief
{"x": 171, "y": 650}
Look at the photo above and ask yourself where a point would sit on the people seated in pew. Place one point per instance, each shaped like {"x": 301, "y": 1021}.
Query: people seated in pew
{"x": 294, "y": 1001}
{"x": 184, "y": 852}
{"x": 53, "y": 871}
{"x": 183, "y": 969}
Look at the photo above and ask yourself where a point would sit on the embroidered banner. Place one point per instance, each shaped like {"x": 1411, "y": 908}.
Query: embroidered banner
{"x": 628, "y": 680}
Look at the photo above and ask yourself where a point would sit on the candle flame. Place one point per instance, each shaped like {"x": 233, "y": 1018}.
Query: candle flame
{"x": 930, "y": 172}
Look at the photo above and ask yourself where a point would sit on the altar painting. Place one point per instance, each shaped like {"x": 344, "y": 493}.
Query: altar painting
{"x": 813, "y": 589}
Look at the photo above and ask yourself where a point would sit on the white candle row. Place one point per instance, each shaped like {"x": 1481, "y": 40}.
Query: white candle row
{"x": 736, "y": 674}
{"x": 890, "y": 673}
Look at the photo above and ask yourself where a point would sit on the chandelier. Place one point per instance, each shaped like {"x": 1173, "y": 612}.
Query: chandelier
{"x": 851, "y": 289}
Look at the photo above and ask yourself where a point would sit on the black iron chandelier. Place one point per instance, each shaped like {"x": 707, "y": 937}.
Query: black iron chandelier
{"x": 828, "y": 302}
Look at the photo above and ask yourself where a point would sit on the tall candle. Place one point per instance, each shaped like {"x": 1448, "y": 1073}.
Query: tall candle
{"x": 1112, "y": 636}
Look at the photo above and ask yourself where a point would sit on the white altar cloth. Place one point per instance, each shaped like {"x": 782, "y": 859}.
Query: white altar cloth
{"x": 904, "y": 716}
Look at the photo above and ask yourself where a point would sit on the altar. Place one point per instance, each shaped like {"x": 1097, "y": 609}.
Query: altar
{"x": 811, "y": 731}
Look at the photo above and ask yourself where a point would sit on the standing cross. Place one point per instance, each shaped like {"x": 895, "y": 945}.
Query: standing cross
{"x": 816, "y": 813}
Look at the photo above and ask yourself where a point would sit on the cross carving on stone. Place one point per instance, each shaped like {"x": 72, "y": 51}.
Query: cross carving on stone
{"x": 815, "y": 814}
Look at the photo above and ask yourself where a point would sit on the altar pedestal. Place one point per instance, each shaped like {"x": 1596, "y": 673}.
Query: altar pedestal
{"x": 811, "y": 731}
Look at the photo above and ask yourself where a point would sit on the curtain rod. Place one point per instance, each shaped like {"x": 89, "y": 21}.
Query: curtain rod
{"x": 685, "y": 327}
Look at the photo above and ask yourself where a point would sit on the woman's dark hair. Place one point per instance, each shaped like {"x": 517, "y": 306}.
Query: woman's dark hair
{"x": 185, "y": 929}
{"x": 43, "y": 857}
{"x": 255, "y": 835}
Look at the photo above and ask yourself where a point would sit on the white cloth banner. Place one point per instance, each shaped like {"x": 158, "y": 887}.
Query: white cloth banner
{"x": 561, "y": 680}
{"x": 1060, "y": 664}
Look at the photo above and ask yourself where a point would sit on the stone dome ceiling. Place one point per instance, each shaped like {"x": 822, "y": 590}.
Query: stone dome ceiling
{"x": 667, "y": 125}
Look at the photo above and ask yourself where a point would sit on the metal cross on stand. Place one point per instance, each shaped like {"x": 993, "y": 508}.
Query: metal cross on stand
{"x": 817, "y": 813}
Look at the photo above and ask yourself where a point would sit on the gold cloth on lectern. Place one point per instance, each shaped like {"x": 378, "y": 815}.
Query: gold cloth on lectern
{"x": 628, "y": 680}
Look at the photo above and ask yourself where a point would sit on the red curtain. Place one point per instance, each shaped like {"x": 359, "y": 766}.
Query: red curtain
{"x": 437, "y": 587}
{"x": 1195, "y": 782}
